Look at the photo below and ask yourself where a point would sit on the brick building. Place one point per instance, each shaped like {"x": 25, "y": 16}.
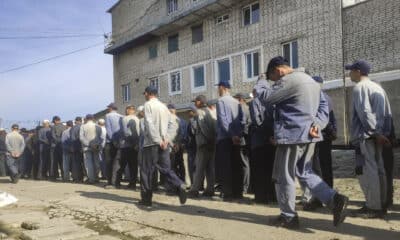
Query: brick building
{"x": 186, "y": 46}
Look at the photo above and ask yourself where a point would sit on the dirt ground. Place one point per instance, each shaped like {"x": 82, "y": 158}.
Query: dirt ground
{"x": 72, "y": 211}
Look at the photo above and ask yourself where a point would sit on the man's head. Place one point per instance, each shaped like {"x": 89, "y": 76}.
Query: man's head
{"x": 112, "y": 107}
{"x": 358, "y": 70}
{"x": 46, "y": 123}
{"x": 89, "y": 117}
{"x": 130, "y": 110}
{"x": 223, "y": 87}
{"x": 56, "y": 119}
{"x": 140, "y": 111}
{"x": 192, "y": 110}
{"x": 212, "y": 104}
{"x": 172, "y": 108}
{"x": 101, "y": 122}
{"x": 70, "y": 124}
{"x": 277, "y": 68}
{"x": 78, "y": 120}
{"x": 200, "y": 101}
{"x": 150, "y": 92}
{"x": 240, "y": 97}
{"x": 15, "y": 127}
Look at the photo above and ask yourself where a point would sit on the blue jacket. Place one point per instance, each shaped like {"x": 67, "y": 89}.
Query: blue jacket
{"x": 299, "y": 105}
{"x": 230, "y": 119}
{"x": 113, "y": 126}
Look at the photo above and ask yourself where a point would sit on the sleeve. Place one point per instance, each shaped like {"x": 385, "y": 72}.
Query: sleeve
{"x": 173, "y": 130}
{"x": 8, "y": 145}
{"x": 149, "y": 125}
{"x": 108, "y": 127}
{"x": 366, "y": 115}
{"x": 223, "y": 116}
{"x": 322, "y": 118}
{"x": 82, "y": 137}
{"x": 22, "y": 145}
{"x": 134, "y": 130}
{"x": 278, "y": 93}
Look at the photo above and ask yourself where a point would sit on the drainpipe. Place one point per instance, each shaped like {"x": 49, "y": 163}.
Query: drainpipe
{"x": 212, "y": 25}
{"x": 345, "y": 105}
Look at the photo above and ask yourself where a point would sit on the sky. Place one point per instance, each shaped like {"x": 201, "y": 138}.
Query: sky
{"x": 69, "y": 86}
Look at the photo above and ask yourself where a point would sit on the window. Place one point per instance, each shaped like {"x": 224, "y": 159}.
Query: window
{"x": 197, "y": 34}
{"x": 251, "y": 14}
{"x": 223, "y": 70}
{"x": 252, "y": 65}
{"x": 173, "y": 43}
{"x": 222, "y": 19}
{"x": 126, "y": 93}
{"x": 153, "y": 52}
{"x": 155, "y": 83}
{"x": 198, "y": 78}
{"x": 175, "y": 83}
{"x": 172, "y": 6}
{"x": 290, "y": 52}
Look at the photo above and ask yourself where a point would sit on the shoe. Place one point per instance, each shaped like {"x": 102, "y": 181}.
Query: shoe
{"x": 193, "y": 194}
{"x": 182, "y": 195}
{"x": 109, "y": 186}
{"x": 312, "y": 205}
{"x": 286, "y": 222}
{"x": 145, "y": 203}
{"x": 208, "y": 194}
{"x": 339, "y": 207}
{"x": 132, "y": 186}
{"x": 368, "y": 213}
{"x": 117, "y": 186}
{"x": 16, "y": 178}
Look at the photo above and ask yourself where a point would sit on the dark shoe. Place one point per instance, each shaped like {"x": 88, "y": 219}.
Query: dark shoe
{"x": 182, "y": 195}
{"x": 118, "y": 186}
{"x": 132, "y": 186}
{"x": 15, "y": 179}
{"x": 339, "y": 207}
{"x": 193, "y": 194}
{"x": 227, "y": 198}
{"x": 286, "y": 222}
{"x": 145, "y": 203}
{"x": 208, "y": 194}
{"x": 368, "y": 213}
{"x": 312, "y": 206}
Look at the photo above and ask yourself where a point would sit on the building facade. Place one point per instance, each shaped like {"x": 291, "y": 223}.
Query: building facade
{"x": 185, "y": 47}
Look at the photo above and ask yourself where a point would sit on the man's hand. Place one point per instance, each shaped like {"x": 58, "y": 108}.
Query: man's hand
{"x": 236, "y": 140}
{"x": 382, "y": 140}
{"x": 314, "y": 132}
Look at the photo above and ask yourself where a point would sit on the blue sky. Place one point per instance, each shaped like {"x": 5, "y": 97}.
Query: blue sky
{"x": 69, "y": 86}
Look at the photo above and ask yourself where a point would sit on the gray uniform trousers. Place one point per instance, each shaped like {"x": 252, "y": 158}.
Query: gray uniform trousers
{"x": 373, "y": 180}
{"x": 205, "y": 168}
{"x": 296, "y": 161}
{"x": 3, "y": 170}
{"x": 13, "y": 165}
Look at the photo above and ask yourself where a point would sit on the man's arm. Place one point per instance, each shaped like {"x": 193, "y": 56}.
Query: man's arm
{"x": 108, "y": 127}
{"x": 322, "y": 118}
{"x": 279, "y": 92}
{"x": 149, "y": 125}
{"x": 224, "y": 116}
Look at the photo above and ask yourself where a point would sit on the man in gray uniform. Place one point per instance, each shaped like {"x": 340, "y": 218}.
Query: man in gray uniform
{"x": 77, "y": 154}
{"x": 371, "y": 123}
{"x": 204, "y": 127}
{"x": 67, "y": 151}
{"x": 44, "y": 145}
{"x": 56, "y": 148}
{"x": 15, "y": 148}
{"x": 155, "y": 148}
{"x": 3, "y": 151}
{"x": 300, "y": 114}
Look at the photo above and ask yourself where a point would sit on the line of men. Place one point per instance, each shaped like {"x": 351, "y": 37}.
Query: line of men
{"x": 260, "y": 147}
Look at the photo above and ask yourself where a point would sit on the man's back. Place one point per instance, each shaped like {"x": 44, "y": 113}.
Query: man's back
{"x": 15, "y": 142}
{"x": 157, "y": 118}
{"x": 113, "y": 125}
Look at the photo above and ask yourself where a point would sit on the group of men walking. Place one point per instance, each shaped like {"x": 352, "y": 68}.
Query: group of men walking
{"x": 234, "y": 146}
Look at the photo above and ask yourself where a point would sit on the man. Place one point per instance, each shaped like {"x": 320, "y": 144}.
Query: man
{"x": 44, "y": 143}
{"x": 3, "y": 151}
{"x": 77, "y": 155}
{"x": 129, "y": 147}
{"x": 56, "y": 148}
{"x": 67, "y": 151}
{"x": 204, "y": 127}
{"x": 300, "y": 114}
{"x": 177, "y": 129}
{"x": 102, "y": 124}
{"x": 322, "y": 161}
{"x": 388, "y": 160}
{"x": 15, "y": 148}
{"x": 190, "y": 143}
{"x": 371, "y": 123}
{"x": 157, "y": 118}
{"x": 262, "y": 147}
{"x": 28, "y": 154}
{"x": 230, "y": 127}
{"x": 113, "y": 128}
{"x": 245, "y": 143}
{"x": 36, "y": 152}
{"x": 90, "y": 136}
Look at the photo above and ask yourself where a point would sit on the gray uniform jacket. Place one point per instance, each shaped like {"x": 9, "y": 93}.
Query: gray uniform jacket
{"x": 157, "y": 120}
{"x": 229, "y": 118}
{"x": 44, "y": 135}
{"x": 15, "y": 143}
{"x": 131, "y": 131}
{"x": 204, "y": 126}
{"x": 56, "y": 133}
{"x": 89, "y": 133}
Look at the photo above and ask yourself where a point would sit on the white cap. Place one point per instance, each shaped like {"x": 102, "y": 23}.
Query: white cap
{"x": 46, "y": 121}
{"x": 2, "y": 129}
{"x": 140, "y": 108}
{"x": 101, "y": 121}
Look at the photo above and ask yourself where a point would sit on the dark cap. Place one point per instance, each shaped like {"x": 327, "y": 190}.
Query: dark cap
{"x": 112, "y": 106}
{"x": 78, "y": 119}
{"x": 151, "y": 90}
{"x": 130, "y": 107}
{"x": 70, "y": 123}
{"x": 89, "y": 117}
{"x": 240, "y": 96}
{"x": 15, "y": 126}
{"x": 171, "y": 106}
{"x": 275, "y": 62}
{"x": 212, "y": 102}
{"x": 360, "y": 65}
{"x": 225, "y": 84}
{"x": 192, "y": 108}
{"x": 318, "y": 79}
{"x": 200, "y": 98}
{"x": 56, "y": 118}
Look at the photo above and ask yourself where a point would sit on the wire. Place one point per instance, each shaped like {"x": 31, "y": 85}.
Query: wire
{"x": 53, "y": 36}
{"x": 51, "y": 58}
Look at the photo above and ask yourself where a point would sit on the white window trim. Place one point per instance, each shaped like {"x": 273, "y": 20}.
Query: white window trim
{"x": 216, "y": 72}
{"x": 251, "y": 19}
{"x": 202, "y": 88}
{"x": 126, "y": 98}
{"x": 170, "y": 93}
{"x": 291, "y": 50}
{"x": 261, "y": 63}
{"x": 222, "y": 17}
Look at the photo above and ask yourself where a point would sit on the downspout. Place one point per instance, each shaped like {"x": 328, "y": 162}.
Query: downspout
{"x": 345, "y": 105}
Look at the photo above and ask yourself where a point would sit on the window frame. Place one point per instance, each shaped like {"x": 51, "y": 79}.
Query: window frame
{"x": 153, "y": 46}
{"x": 291, "y": 51}
{"x": 222, "y": 19}
{"x": 216, "y": 72}
{"x": 170, "y": 92}
{"x": 126, "y": 93}
{"x": 158, "y": 82}
{"x": 192, "y": 79}
{"x": 244, "y": 63}
{"x": 172, "y": 6}
{"x": 250, "y": 7}
{"x": 177, "y": 44}
{"x": 193, "y": 28}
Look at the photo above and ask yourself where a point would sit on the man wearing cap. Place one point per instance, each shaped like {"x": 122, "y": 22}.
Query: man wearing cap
{"x": 56, "y": 162}
{"x": 245, "y": 142}
{"x": 67, "y": 151}
{"x": 101, "y": 122}
{"x": 3, "y": 151}
{"x": 113, "y": 128}
{"x": 230, "y": 126}
{"x": 77, "y": 154}
{"x": 129, "y": 147}
{"x": 204, "y": 127}
{"x": 190, "y": 142}
{"x": 300, "y": 114}
{"x": 157, "y": 118}
{"x": 44, "y": 142}
{"x": 370, "y": 124}
{"x": 15, "y": 144}
{"x": 90, "y": 136}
